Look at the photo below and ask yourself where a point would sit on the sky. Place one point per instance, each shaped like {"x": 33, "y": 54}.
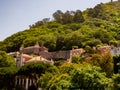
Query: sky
{"x": 17, "y": 15}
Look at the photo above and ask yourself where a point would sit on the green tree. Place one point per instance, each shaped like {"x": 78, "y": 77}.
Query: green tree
{"x": 67, "y": 17}
{"x": 59, "y": 82}
{"x": 44, "y": 79}
{"x": 30, "y": 41}
{"x": 93, "y": 42}
{"x": 105, "y": 61}
{"x": 116, "y": 81}
{"x": 7, "y": 71}
{"x": 116, "y": 63}
{"x": 108, "y": 65}
{"x": 78, "y": 59}
{"x": 60, "y": 42}
{"x": 78, "y": 17}
{"x": 98, "y": 12}
{"x": 69, "y": 68}
{"x": 5, "y": 60}
{"x": 90, "y": 78}
{"x": 74, "y": 39}
{"x": 113, "y": 42}
{"x": 49, "y": 73}
{"x": 58, "y": 16}
{"x": 7, "y": 77}
{"x": 76, "y": 76}
{"x": 34, "y": 69}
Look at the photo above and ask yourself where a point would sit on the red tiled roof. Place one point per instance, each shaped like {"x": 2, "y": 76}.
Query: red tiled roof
{"x": 38, "y": 59}
{"x": 27, "y": 57}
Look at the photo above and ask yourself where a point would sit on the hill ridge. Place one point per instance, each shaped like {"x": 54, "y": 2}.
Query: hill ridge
{"x": 92, "y": 27}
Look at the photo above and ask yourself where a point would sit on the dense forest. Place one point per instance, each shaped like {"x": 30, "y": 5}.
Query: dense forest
{"x": 93, "y": 27}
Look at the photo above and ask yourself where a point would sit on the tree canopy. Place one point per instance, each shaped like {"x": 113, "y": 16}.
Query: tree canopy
{"x": 7, "y": 71}
{"x": 94, "y": 26}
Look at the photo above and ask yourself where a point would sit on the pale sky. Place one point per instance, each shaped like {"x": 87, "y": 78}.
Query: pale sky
{"x": 17, "y": 15}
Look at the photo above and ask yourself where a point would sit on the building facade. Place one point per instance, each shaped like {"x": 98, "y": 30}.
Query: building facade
{"x": 42, "y": 54}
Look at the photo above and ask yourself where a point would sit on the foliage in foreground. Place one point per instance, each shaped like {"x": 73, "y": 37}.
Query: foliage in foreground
{"x": 7, "y": 71}
{"x": 76, "y": 76}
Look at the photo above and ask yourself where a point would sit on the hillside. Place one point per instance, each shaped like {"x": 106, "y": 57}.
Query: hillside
{"x": 92, "y": 27}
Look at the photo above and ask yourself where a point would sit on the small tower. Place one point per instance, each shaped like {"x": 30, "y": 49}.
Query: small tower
{"x": 36, "y": 48}
{"x": 19, "y": 58}
{"x": 37, "y": 44}
{"x": 21, "y": 49}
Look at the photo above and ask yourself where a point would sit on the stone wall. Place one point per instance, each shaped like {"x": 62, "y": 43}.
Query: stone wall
{"x": 53, "y": 55}
{"x": 61, "y": 54}
{"x": 31, "y": 50}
